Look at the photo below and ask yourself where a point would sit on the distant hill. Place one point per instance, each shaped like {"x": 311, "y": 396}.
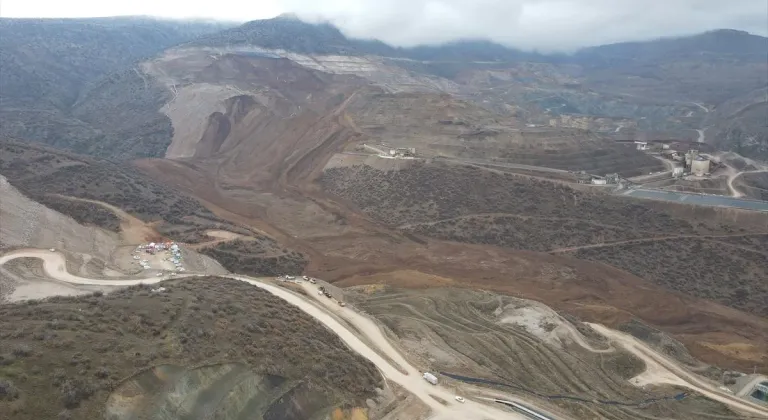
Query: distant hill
{"x": 724, "y": 43}
{"x": 48, "y": 64}
{"x": 50, "y": 60}
{"x": 86, "y": 95}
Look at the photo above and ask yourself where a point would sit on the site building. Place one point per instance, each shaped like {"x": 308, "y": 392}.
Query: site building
{"x": 700, "y": 166}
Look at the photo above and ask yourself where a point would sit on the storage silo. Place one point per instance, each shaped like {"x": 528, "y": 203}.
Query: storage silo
{"x": 700, "y": 166}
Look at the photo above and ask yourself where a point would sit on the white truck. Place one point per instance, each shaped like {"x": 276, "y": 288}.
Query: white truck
{"x": 430, "y": 378}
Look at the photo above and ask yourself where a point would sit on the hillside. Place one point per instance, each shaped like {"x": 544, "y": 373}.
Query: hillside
{"x": 51, "y": 87}
{"x": 54, "y": 178}
{"x": 668, "y": 83}
{"x": 267, "y": 147}
{"x": 468, "y": 204}
{"x": 220, "y": 343}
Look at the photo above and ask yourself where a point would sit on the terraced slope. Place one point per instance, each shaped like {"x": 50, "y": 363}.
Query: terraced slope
{"x": 526, "y": 345}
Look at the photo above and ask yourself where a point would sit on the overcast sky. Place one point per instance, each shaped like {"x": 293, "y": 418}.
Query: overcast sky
{"x": 543, "y": 24}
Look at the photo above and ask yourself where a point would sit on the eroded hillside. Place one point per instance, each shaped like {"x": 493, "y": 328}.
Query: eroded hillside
{"x": 91, "y": 191}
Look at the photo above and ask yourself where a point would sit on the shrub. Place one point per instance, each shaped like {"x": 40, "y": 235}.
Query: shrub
{"x": 73, "y": 391}
{"x": 22, "y": 350}
{"x": 8, "y": 391}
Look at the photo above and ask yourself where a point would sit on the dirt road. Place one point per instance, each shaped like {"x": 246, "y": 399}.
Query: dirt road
{"x": 661, "y": 370}
{"x": 652, "y": 239}
{"x": 54, "y": 265}
{"x": 133, "y": 230}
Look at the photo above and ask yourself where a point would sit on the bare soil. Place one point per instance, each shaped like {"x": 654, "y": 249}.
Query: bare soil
{"x": 362, "y": 244}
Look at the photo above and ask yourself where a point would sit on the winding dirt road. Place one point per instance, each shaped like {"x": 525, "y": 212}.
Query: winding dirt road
{"x": 54, "y": 265}
{"x": 661, "y": 370}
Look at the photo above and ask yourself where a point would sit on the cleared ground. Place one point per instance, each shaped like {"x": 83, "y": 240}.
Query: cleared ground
{"x": 526, "y": 345}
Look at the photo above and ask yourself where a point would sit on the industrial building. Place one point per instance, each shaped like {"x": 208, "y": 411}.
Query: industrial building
{"x": 403, "y": 152}
{"x": 700, "y": 166}
{"x": 696, "y": 164}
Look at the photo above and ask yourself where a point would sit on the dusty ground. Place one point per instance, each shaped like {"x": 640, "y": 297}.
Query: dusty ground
{"x": 26, "y": 280}
{"x": 519, "y": 342}
{"x": 26, "y": 223}
{"x": 90, "y": 250}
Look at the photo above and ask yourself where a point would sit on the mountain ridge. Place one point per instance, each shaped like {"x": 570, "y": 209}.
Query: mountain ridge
{"x": 323, "y": 32}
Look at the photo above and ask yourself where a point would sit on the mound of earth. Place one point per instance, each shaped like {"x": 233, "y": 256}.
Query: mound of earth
{"x": 227, "y": 391}
{"x": 219, "y": 347}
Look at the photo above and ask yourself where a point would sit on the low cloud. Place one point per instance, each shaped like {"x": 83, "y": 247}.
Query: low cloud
{"x": 547, "y": 25}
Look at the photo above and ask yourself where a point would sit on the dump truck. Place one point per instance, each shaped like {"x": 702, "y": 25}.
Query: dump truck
{"x": 430, "y": 378}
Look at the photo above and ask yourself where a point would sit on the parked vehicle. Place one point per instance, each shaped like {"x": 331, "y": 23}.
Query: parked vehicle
{"x": 342, "y": 303}
{"x": 328, "y": 295}
{"x": 312, "y": 281}
{"x": 430, "y": 378}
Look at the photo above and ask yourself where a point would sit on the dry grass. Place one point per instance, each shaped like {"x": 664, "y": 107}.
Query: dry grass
{"x": 69, "y": 353}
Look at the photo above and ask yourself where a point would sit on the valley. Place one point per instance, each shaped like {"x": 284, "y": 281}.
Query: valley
{"x": 454, "y": 205}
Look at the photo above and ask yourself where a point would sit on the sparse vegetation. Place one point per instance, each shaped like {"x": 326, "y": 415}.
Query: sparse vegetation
{"x": 82, "y": 212}
{"x": 753, "y": 185}
{"x": 260, "y": 257}
{"x": 705, "y": 269}
{"x": 40, "y": 173}
{"x": 472, "y": 205}
{"x": 441, "y": 326}
{"x": 518, "y": 232}
{"x": 435, "y": 192}
{"x": 75, "y": 350}
{"x": 71, "y": 83}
